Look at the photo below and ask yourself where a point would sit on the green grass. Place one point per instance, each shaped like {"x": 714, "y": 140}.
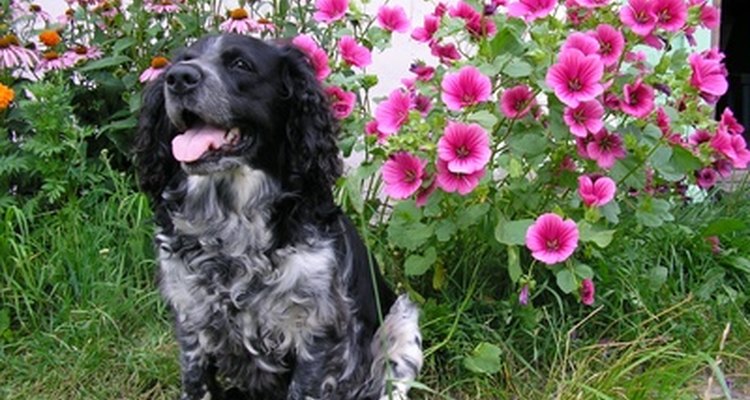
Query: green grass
{"x": 86, "y": 321}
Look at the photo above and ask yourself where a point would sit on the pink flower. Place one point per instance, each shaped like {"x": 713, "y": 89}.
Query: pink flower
{"x": 592, "y": 3}
{"x": 580, "y": 41}
{"x": 371, "y": 128}
{"x": 161, "y": 6}
{"x": 709, "y": 16}
{"x": 83, "y": 53}
{"x": 729, "y": 122}
{"x": 671, "y": 15}
{"x": 353, "y": 53}
{"x": 315, "y": 55}
{"x": 463, "y": 10}
{"x": 455, "y": 181}
{"x": 393, "y": 19}
{"x": 531, "y": 10}
{"x": 424, "y": 192}
{"x": 575, "y": 77}
{"x": 422, "y": 103}
{"x": 639, "y": 17}
{"x": 638, "y": 99}
{"x": 733, "y": 147}
{"x": 13, "y": 55}
{"x": 425, "y": 33}
{"x": 706, "y": 177}
{"x": 342, "y": 102}
{"x": 394, "y": 112}
{"x": 587, "y": 292}
{"x": 596, "y": 192}
{"x": 585, "y": 118}
{"x": 552, "y": 239}
{"x": 709, "y": 75}
{"x": 715, "y": 244}
{"x": 424, "y": 73}
{"x": 465, "y": 148}
{"x": 447, "y": 53}
{"x": 402, "y": 174}
{"x": 523, "y": 296}
{"x": 605, "y": 149}
{"x": 517, "y": 101}
{"x": 330, "y": 10}
{"x": 465, "y": 88}
{"x": 611, "y": 43}
{"x": 480, "y": 27}
{"x": 239, "y": 21}
{"x": 52, "y": 61}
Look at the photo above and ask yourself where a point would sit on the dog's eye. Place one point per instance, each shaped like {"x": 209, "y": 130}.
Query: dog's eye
{"x": 241, "y": 65}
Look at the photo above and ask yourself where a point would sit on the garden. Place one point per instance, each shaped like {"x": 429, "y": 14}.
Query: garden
{"x": 553, "y": 186}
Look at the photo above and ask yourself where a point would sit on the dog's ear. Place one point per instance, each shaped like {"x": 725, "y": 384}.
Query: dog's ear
{"x": 154, "y": 162}
{"x": 311, "y": 129}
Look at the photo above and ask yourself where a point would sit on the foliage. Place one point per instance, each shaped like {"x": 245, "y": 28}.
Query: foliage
{"x": 456, "y": 167}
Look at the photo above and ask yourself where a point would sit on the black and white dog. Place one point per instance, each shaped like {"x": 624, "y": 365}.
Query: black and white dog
{"x": 273, "y": 292}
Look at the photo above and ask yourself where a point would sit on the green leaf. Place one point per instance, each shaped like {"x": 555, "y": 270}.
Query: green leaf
{"x": 740, "y": 263}
{"x": 484, "y": 118}
{"x": 589, "y": 233}
{"x": 518, "y": 69}
{"x": 514, "y": 264}
{"x": 416, "y": 265}
{"x": 104, "y": 63}
{"x": 657, "y": 276}
{"x": 512, "y": 232}
{"x": 484, "y": 359}
{"x": 472, "y": 215}
{"x": 566, "y": 281}
{"x": 405, "y": 229}
{"x": 506, "y": 41}
{"x": 122, "y": 44}
{"x": 528, "y": 144}
{"x": 445, "y": 230}
{"x": 583, "y": 271}
{"x": 653, "y": 212}
{"x": 723, "y": 226}
{"x": 684, "y": 161}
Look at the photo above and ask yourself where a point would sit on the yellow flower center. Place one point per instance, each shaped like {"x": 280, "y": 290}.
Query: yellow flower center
{"x": 238, "y": 14}
{"x": 159, "y": 62}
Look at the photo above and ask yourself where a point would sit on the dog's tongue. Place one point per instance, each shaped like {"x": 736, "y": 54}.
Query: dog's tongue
{"x": 195, "y": 142}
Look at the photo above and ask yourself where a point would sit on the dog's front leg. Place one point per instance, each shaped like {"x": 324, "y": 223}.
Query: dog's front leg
{"x": 313, "y": 376}
{"x": 198, "y": 371}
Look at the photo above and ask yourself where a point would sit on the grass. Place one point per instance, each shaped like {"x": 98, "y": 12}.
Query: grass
{"x": 86, "y": 321}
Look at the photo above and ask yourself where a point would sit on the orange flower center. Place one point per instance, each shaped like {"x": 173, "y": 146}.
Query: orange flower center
{"x": 8, "y": 40}
{"x": 159, "y": 62}
{"x": 35, "y": 8}
{"x": 6, "y": 96}
{"x": 264, "y": 21}
{"x": 50, "y": 55}
{"x": 81, "y": 50}
{"x": 238, "y": 14}
{"x": 50, "y": 38}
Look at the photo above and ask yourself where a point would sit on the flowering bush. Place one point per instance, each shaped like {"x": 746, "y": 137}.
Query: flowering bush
{"x": 537, "y": 131}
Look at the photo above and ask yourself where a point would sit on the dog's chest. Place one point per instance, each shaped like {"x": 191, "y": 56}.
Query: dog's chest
{"x": 234, "y": 294}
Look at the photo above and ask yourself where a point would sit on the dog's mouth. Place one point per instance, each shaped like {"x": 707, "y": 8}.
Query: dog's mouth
{"x": 203, "y": 141}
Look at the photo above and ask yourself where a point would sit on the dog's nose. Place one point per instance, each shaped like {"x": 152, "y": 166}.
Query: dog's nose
{"x": 182, "y": 78}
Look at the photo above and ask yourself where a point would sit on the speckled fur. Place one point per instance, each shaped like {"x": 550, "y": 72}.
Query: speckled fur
{"x": 270, "y": 285}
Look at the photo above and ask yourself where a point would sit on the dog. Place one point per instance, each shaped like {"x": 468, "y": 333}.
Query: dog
{"x": 273, "y": 292}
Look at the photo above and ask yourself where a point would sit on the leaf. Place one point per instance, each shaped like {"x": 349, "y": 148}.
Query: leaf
{"x": 484, "y": 359}
{"x": 445, "y": 230}
{"x": 589, "y": 233}
{"x": 512, "y": 232}
{"x": 514, "y": 264}
{"x": 684, "y": 161}
{"x": 518, "y": 69}
{"x": 472, "y": 215}
{"x": 405, "y": 230}
{"x": 438, "y": 277}
{"x": 528, "y": 144}
{"x": 657, "y": 276}
{"x": 104, "y": 63}
{"x": 653, "y": 212}
{"x": 506, "y": 41}
{"x": 740, "y": 263}
{"x": 611, "y": 212}
{"x": 723, "y": 226}
{"x": 416, "y": 265}
{"x": 566, "y": 281}
{"x": 583, "y": 271}
{"x": 484, "y": 118}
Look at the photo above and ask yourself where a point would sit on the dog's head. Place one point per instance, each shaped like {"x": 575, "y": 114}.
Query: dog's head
{"x": 230, "y": 100}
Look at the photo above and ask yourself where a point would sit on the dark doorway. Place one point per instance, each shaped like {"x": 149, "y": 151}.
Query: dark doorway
{"x": 734, "y": 41}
